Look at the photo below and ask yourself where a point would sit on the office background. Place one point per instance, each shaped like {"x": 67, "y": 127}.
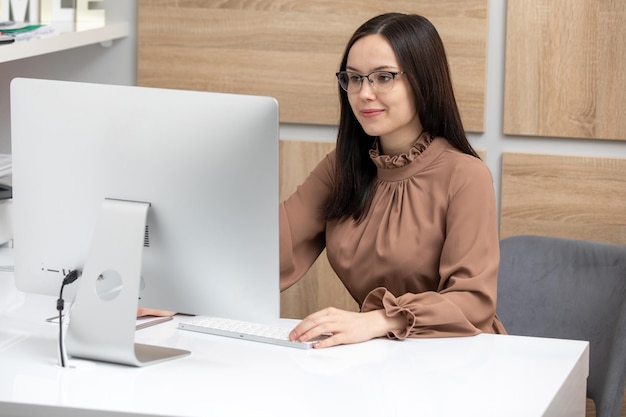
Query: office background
{"x": 537, "y": 82}
{"x": 495, "y": 96}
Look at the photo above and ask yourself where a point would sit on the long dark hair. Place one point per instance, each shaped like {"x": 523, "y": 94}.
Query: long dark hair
{"x": 422, "y": 57}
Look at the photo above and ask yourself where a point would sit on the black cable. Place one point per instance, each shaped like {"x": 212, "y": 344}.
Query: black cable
{"x": 69, "y": 278}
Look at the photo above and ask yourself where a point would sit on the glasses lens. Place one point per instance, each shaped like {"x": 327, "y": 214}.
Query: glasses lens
{"x": 344, "y": 80}
{"x": 383, "y": 81}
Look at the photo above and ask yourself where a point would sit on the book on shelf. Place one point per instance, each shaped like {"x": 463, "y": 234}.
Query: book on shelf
{"x": 24, "y": 30}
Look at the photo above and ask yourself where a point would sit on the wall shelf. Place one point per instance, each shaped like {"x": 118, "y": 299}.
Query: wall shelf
{"x": 65, "y": 37}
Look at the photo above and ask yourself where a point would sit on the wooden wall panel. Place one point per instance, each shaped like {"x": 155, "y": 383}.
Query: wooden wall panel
{"x": 320, "y": 287}
{"x": 566, "y": 196}
{"x": 291, "y": 49}
{"x": 564, "y": 71}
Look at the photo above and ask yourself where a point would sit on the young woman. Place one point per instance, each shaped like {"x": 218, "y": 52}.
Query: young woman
{"x": 403, "y": 205}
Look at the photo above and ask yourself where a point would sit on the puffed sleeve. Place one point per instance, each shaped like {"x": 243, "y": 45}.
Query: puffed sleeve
{"x": 302, "y": 227}
{"x": 465, "y": 301}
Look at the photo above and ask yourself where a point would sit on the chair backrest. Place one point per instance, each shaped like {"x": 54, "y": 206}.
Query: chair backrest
{"x": 570, "y": 289}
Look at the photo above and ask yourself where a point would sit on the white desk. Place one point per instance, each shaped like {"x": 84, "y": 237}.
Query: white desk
{"x": 485, "y": 375}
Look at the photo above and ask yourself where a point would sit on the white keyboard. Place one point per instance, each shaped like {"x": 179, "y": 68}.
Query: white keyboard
{"x": 243, "y": 330}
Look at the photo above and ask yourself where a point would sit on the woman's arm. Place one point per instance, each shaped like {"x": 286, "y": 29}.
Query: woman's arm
{"x": 302, "y": 227}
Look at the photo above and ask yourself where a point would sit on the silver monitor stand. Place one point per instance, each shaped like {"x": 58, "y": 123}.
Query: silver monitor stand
{"x": 103, "y": 317}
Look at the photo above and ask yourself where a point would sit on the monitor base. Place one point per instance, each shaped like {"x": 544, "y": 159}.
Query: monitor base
{"x": 103, "y": 317}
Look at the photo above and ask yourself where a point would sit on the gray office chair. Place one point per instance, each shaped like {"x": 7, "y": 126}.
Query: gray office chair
{"x": 570, "y": 289}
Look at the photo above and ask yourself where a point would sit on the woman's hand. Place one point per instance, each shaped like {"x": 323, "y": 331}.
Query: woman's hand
{"x": 143, "y": 312}
{"x": 345, "y": 327}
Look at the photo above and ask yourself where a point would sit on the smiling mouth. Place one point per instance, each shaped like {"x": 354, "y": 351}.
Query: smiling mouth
{"x": 368, "y": 113}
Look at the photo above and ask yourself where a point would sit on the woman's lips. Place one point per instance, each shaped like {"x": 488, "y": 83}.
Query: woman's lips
{"x": 368, "y": 113}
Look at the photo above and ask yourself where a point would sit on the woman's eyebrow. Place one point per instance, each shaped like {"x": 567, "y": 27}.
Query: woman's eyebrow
{"x": 379, "y": 68}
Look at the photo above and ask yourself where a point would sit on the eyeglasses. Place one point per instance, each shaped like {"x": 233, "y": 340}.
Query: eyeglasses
{"x": 381, "y": 81}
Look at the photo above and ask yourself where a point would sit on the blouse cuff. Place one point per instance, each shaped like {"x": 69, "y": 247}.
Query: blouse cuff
{"x": 381, "y": 299}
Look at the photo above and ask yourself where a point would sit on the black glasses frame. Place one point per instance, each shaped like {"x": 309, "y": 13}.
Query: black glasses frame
{"x": 346, "y": 81}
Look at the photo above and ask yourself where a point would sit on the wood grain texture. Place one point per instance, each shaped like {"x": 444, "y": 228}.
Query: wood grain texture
{"x": 566, "y": 196}
{"x": 320, "y": 287}
{"x": 591, "y": 408}
{"x": 564, "y": 72}
{"x": 291, "y": 49}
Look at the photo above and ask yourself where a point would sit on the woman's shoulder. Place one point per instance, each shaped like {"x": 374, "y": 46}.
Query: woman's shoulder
{"x": 462, "y": 167}
{"x": 325, "y": 168}
{"x": 461, "y": 159}
{"x": 327, "y": 162}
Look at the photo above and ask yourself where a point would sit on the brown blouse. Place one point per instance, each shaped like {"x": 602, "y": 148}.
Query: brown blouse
{"x": 428, "y": 248}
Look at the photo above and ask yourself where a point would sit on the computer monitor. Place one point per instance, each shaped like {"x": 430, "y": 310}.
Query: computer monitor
{"x": 192, "y": 175}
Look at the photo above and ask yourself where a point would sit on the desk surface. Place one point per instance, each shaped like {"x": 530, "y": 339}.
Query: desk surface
{"x": 484, "y": 375}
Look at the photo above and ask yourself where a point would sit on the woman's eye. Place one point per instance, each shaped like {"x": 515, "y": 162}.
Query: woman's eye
{"x": 384, "y": 77}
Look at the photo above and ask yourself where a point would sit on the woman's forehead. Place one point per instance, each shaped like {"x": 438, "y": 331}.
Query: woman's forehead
{"x": 370, "y": 53}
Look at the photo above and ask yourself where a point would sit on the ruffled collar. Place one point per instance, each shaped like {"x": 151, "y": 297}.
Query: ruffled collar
{"x": 398, "y": 161}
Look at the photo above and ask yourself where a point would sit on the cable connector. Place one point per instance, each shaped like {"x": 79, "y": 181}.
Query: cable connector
{"x": 69, "y": 278}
